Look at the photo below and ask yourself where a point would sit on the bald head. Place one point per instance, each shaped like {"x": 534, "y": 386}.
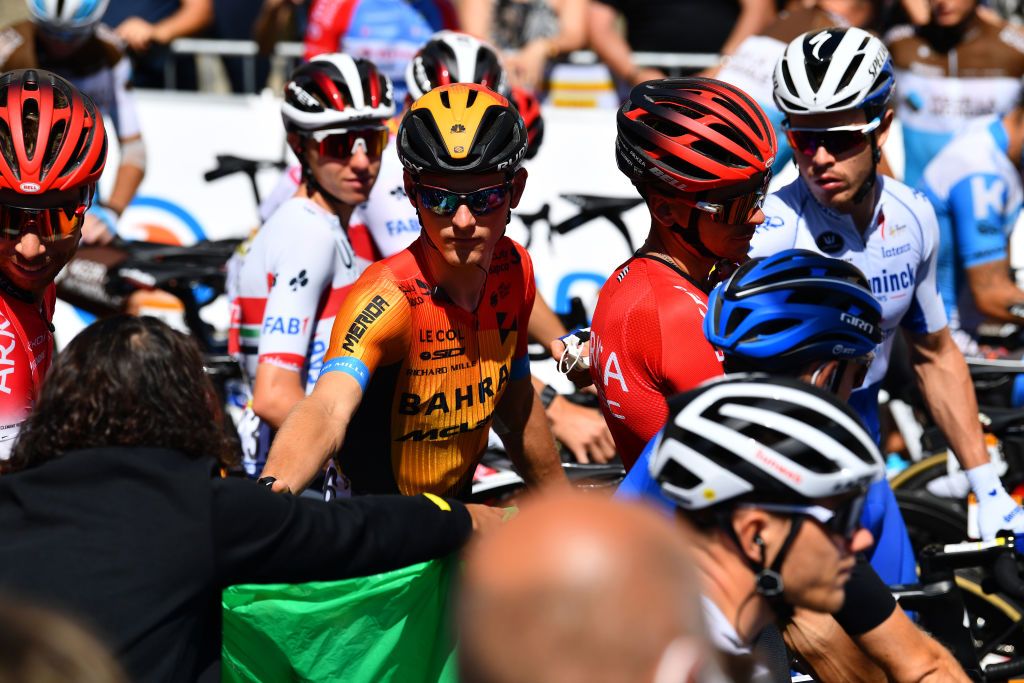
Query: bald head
{"x": 578, "y": 588}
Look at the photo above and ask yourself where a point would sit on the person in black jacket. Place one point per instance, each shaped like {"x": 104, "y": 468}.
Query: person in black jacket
{"x": 113, "y": 510}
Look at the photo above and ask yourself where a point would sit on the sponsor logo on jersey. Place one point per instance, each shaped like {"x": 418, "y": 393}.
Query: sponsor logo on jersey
{"x": 438, "y": 433}
{"x": 830, "y": 242}
{"x": 373, "y": 310}
{"x": 892, "y": 283}
{"x": 442, "y": 335}
{"x": 300, "y": 280}
{"x": 274, "y": 324}
{"x": 458, "y": 399}
{"x": 443, "y": 354}
{"x": 7, "y": 344}
{"x": 889, "y": 252}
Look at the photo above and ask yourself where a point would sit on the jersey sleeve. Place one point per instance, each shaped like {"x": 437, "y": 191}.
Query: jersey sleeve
{"x": 927, "y": 313}
{"x": 978, "y": 206}
{"x": 125, "y": 114}
{"x": 521, "y": 358}
{"x": 371, "y": 329}
{"x": 777, "y": 232}
{"x": 328, "y": 22}
{"x": 687, "y": 359}
{"x": 640, "y": 485}
{"x": 298, "y": 274}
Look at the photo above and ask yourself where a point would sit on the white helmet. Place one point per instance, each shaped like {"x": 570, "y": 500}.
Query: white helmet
{"x": 333, "y": 91}
{"x": 453, "y": 57}
{"x": 763, "y": 439}
{"x": 835, "y": 69}
{"x": 67, "y": 15}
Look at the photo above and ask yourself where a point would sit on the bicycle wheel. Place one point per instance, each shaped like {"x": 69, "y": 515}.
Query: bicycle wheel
{"x": 917, "y": 476}
{"x": 994, "y": 619}
{"x": 931, "y": 519}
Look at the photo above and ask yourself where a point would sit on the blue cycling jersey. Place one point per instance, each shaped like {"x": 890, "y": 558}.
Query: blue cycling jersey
{"x": 892, "y": 557}
{"x": 976, "y": 191}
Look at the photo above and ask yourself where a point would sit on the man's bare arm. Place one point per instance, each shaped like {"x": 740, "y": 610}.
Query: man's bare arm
{"x": 523, "y": 427}
{"x": 993, "y": 290}
{"x": 312, "y": 432}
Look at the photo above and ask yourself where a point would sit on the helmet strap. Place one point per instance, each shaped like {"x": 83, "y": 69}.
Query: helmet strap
{"x": 869, "y": 184}
{"x": 768, "y": 580}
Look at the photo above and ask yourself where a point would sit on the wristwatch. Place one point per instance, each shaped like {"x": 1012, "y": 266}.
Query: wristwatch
{"x": 547, "y": 395}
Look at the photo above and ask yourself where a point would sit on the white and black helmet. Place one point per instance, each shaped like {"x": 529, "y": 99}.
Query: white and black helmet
{"x": 835, "y": 69}
{"x": 454, "y": 57}
{"x": 755, "y": 438}
{"x": 335, "y": 91}
{"x": 67, "y": 15}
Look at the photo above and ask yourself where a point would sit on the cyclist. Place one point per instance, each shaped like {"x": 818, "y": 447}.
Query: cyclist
{"x": 699, "y": 151}
{"x": 803, "y": 315}
{"x": 300, "y": 265}
{"x": 974, "y": 184}
{"x": 52, "y": 151}
{"x": 750, "y": 67}
{"x": 429, "y": 348}
{"x": 772, "y": 473}
{"x": 68, "y": 39}
{"x": 957, "y": 67}
{"x": 841, "y": 206}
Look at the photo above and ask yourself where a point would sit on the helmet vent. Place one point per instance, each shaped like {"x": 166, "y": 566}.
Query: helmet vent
{"x": 788, "y": 77}
{"x": 843, "y": 102}
{"x": 680, "y": 476}
{"x": 7, "y": 147}
{"x": 53, "y": 144}
{"x": 445, "y": 100}
{"x": 726, "y": 130}
{"x": 30, "y": 125}
{"x": 735, "y": 320}
{"x": 850, "y": 71}
{"x": 471, "y": 98}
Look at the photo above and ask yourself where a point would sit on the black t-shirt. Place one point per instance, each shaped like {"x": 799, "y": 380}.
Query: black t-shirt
{"x": 868, "y": 600}
{"x": 138, "y": 543}
{"x": 677, "y": 25}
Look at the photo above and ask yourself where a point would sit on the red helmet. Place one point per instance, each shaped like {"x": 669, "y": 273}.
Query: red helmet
{"x": 697, "y": 135}
{"x": 51, "y": 135}
{"x": 529, "y": 108}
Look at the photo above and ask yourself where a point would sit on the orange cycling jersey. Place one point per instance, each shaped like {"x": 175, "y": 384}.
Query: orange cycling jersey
{"x": 431, "y": 372}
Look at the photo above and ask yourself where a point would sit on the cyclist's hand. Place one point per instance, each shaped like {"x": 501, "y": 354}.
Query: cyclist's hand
{"x": 582, "y": 430}
{"x": 485, "y": 518}
{"x": 136, "y": 32}
{"x": 97, "y": 229}
{"x": 996, "y": 509}
{"x": 579, "y": 376}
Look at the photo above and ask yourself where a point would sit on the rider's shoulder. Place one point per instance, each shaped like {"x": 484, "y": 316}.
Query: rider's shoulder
{"x": 900, "y": 36}
{"x": 907, "y": 198}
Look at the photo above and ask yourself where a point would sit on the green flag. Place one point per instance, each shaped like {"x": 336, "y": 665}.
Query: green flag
{"x": 381, "y": 628}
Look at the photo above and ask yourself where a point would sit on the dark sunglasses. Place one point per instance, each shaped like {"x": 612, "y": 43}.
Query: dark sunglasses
{"x": 50, "y": 225}
{"x": 442, "y": 202}
{"x": 734, "y": 211}
{"x": 343, "y": 144}
{"x": 843, "y": 520}
{"x": 837, "y": 141}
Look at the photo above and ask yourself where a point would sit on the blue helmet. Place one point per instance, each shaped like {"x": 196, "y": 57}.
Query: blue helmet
{"x": 68, "y": 15}
{"x": 780, "y": 312}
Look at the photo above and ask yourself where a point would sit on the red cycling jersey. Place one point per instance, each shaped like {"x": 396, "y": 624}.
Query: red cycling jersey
{"x": 26, "y": 349}
{"x": 647, "y": 343}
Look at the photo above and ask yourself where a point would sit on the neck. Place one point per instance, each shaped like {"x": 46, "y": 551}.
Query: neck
{"x": 340, "y": 209}
{"x": 463, "y": 283}
{"x": 728, "y": 582}
{"x": 664, "y": 243}
{"x": 8, "y": 288}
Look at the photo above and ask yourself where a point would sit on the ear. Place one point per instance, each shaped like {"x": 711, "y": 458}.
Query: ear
{"x": 297, "y": 144}
{"x": 661, "y": 210}
{"x": 749, "y": 525}
{"x": 518, "y": 187}
{"x": 410, "y": 187}
{"x": 822, "y": 377}
{"x": 885, "y": 127}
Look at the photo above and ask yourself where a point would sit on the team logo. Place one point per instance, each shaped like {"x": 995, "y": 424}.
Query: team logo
{"x": 458, "y": 128}
{"x": 459, "y": 149}
{"x": 829, "y": 242}
{"x": 29, "y": 187}
{"x": 299, "y": 280}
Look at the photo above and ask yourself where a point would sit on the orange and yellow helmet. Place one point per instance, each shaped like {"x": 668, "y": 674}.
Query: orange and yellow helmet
{"x": 462, "y": 128}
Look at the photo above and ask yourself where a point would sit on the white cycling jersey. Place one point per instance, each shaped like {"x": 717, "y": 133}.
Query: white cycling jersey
{"x": 291, "y": 281}
{"x": 898, "y": 254}
{"x": 387, "y": 215}
{"x": 977, "y": 194}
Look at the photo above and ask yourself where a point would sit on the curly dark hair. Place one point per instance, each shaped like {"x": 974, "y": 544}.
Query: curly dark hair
{"x": 124, "y": 381}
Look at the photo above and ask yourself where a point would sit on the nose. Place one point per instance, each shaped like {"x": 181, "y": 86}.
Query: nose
{"x": 30, "y": 246}
{"x": 822, "y": 157}
{"x": 861, "y": 541}
{"x": 463, "y": 218}
{"x": 757, "y": 217}
{"x": 360, "y": 161}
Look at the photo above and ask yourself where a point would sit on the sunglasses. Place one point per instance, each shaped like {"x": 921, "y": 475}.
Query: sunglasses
{"x": 842, "y": 521}
{"x": 50, "y": 225}
{"x": 733, "y": 211}
{"x": 344, "y": 143}
{"x": 442, "y": 202}
{"x": 837, "y": 141}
